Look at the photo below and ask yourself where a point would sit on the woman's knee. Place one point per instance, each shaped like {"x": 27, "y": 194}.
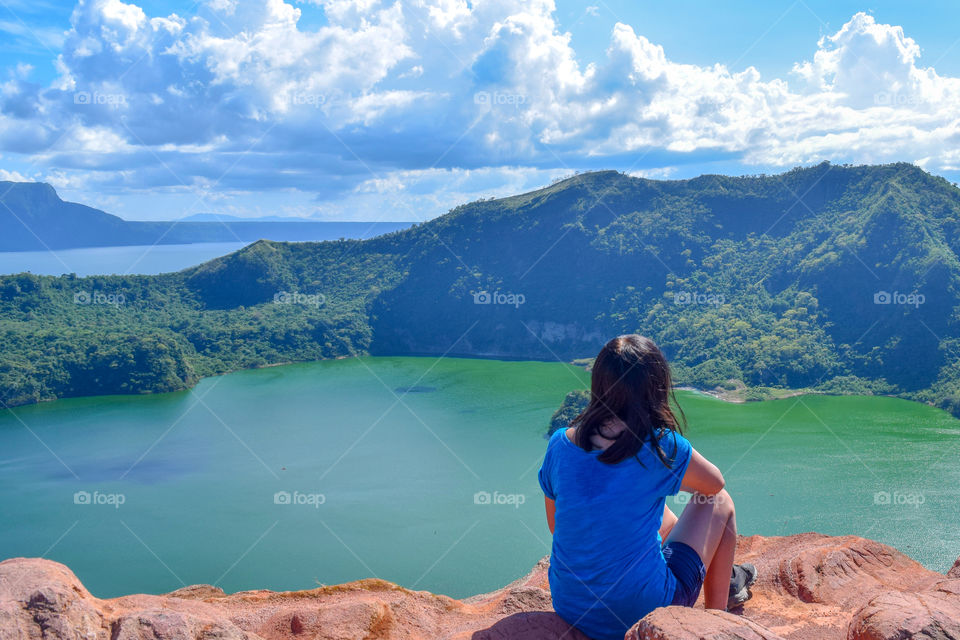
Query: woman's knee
{"x": 723, "y": 503}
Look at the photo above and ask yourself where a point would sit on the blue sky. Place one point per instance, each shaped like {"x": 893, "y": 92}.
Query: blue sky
{"x": 770, "y": 36}
{"x": 378, "y": 110}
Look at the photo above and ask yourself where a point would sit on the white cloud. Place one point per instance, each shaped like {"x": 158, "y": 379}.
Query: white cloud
{"x": 655, "y": 173}
{"x": 227, "y": 7}
{"x": 242, "y": 97}
{"x": 13, "y": 176}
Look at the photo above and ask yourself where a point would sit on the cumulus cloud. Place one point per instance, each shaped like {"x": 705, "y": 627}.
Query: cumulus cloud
{"x": 12, "y": 176}
{"x": 389, "y": 96}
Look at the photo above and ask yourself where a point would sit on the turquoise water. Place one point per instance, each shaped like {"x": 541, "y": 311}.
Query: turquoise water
{"x": 882, "y": 468}
{"x": 291, "y": 476}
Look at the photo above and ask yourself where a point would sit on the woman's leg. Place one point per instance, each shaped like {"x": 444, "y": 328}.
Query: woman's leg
{"x": 708, "y": 524}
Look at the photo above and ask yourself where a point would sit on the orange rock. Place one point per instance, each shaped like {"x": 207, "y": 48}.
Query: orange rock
{"x": 895, "y": 615}
{"x": 810, "y": 587}
{"x": 532, "y": 625}
{"x": 954, "y": 571}
{"x": 682, "y": 623}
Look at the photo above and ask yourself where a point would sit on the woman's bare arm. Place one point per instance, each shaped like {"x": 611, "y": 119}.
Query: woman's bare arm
{"x": 551, "y": 507}
{"x": 702, "y": 476}
{"x": 669, "y": 519}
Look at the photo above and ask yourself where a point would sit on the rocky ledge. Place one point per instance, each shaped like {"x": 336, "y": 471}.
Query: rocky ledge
{"x": 810, "y": 587}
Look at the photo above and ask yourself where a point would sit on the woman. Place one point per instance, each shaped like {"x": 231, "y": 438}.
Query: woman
{"x": 618, "y": 551}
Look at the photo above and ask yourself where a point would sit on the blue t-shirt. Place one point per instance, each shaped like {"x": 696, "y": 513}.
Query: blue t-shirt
{"x": 606, "y": 567}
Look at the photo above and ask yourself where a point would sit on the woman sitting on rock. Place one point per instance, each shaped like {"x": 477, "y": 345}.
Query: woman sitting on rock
{"x": 618, "y": 551}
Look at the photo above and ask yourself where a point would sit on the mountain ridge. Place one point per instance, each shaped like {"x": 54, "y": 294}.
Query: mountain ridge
{"x": 798, "y": 280}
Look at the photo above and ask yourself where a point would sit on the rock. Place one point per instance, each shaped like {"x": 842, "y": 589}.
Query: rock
{"x": 843, "y": 571}
{"x": 520, "y": 599}
{"x": 197, "y": 592}
{"x": 682, "y": 623}
{"x": 173, "y": 625}
{"x": 296, "y": 625}
{"x": 19, "y": 577}
{"x": 895, "y": 615}
{"x": 534, "y": 625}
{"x": 367, "y": 618}
{"x": 14, "y": 625}
{"x": 810, "y": 587}
{"x": 43, "y": 599}
{"x": 954, "y": 571}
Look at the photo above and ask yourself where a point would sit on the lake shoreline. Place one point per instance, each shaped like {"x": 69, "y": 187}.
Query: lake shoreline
{"x": 737, "y": 393}
{"x": 731, "y": 396}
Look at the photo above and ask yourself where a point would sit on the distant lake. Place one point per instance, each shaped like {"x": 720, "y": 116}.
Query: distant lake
{"x": 291, "y": 476}
{"x": 147, "y": 260}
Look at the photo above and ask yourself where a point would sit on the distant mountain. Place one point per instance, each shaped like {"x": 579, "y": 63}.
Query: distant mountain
{"x": 834, "y": 278}
{"x": 33, "y": 218}
{"x": 33, "y": 215}
{"x": 223, "y": 217}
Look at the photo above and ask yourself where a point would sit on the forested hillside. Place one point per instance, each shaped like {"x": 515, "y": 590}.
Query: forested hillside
{"x": 837, "y": 278}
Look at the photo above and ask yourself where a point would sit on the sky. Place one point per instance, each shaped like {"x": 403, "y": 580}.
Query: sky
{"x": 401, "y": 110}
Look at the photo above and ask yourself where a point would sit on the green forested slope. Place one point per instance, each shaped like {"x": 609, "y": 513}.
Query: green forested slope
{"x": 769, "y": 280}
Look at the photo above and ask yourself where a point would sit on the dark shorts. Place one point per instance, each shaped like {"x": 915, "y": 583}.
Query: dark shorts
{"x": 687, "y": 567}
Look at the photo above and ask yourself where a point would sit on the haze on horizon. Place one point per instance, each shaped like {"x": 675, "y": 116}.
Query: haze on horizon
{"x": 373, "y": 110}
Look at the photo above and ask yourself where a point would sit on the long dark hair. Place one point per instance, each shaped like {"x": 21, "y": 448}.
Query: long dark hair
{"x": 630, "y": 382}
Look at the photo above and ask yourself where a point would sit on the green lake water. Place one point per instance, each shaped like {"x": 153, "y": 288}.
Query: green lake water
{"x": 419, "y": 471}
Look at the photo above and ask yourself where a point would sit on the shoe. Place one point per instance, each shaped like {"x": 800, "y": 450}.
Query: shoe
{"x": 743, "y": 576}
